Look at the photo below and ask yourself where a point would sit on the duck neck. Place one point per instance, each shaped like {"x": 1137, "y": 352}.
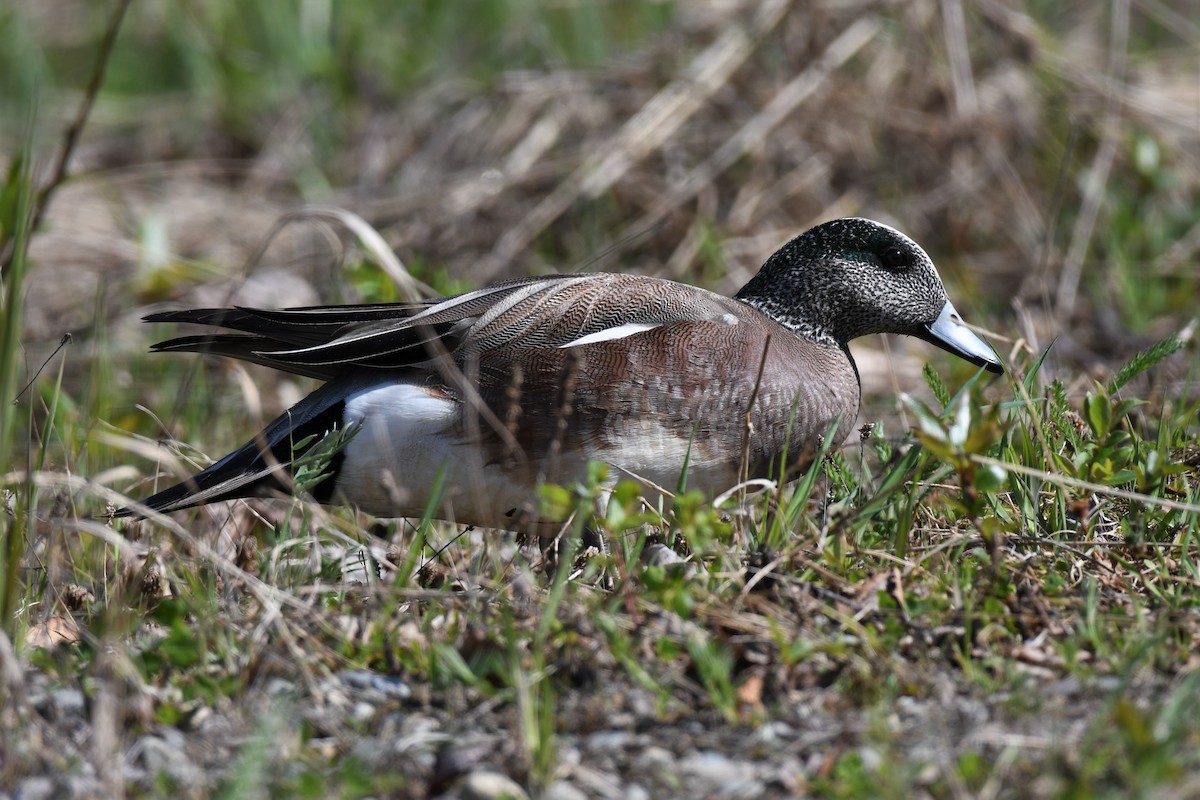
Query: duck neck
{"x": 805, "y": 319}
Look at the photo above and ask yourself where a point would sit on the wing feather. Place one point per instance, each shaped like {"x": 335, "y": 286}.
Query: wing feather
{"x": 545, "y": 312}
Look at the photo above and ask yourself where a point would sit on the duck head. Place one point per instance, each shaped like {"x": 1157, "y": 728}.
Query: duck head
{"x": 853, "y": 277}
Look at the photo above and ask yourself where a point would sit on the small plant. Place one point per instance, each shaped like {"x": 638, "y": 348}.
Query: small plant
{"x": 969, "y": 434}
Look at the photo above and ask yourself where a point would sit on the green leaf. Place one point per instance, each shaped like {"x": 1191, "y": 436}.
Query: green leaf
{"x": 10, "y": 193}
{"x": 990, "y": 477}
{"x": 1035, "y": 368}
{"x": 181, "y": 648}
{"x": 556, "y": 501}
{"x": 929, "y": 423}
{"x": 961, "y": 427}
{"x": 1098, "y": 413}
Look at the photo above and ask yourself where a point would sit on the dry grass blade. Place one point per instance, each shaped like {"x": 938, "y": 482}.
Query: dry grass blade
{"x": 759, "y": 127}
{"x": 269, "y": 596}
{"x": 653, "y": 125}
{"x": 411, "y": 289}
{"x": 1094, "y": 191}
{"x": 1058, "y": 479}
{"x": 966, "y": 102}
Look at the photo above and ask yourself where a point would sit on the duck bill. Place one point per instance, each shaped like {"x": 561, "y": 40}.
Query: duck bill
{"x": 949, "y": 333}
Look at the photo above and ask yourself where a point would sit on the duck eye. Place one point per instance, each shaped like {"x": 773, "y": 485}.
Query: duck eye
{"x": 895, "y": 259}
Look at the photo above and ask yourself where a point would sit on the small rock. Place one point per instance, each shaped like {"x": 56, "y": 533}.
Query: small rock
{"x": 635, "y": 791}
{"x": 362, "y": 712}
{"x": 871, "y": 758}
{"x": 376, "y": 754}
{"x": 334, "y": 697}
{"x": 608, "y": 740}
{"x": 487, "y": 785}
{"x": 622, "y": 720}
{"x": 561, "y": 790}
{"x": 713, "y": 774}
{"x": 659, "y": 555}
{"x": 774, "y": 733}
{"x": 460, "y": 757}
{"x": 653, "y": 759}
{"x": 376, "y": 686}
{"x": 67, "y": 702}
{"x": 83, "y": 786}
{"x": 215, "y": 726}
{"x": 164, "y": 755}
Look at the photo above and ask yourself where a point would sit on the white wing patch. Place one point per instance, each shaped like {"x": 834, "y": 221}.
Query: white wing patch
{"x": 609, "y": 334}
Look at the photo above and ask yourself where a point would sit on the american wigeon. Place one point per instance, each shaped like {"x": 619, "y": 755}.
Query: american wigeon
{"x": 527, "y": 380}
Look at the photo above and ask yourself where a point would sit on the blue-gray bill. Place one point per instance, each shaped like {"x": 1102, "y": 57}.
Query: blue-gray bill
{"x": 949, "y": 333}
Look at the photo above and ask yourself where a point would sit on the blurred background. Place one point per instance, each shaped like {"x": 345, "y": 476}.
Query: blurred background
{"x": 1046, "y": 154}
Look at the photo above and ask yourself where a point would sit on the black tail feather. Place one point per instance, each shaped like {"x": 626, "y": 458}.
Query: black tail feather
{"x": 263, "y": 465}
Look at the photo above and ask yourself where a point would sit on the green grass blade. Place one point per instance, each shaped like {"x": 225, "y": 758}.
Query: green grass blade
{"x": 12, "y": 285}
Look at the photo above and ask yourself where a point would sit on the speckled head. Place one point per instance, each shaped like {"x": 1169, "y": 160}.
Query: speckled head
{"x": 852, "y": 277}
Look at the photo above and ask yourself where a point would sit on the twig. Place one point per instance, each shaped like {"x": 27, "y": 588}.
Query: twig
{"x": 748, "y": 424}
{"x": 63, "y": 342}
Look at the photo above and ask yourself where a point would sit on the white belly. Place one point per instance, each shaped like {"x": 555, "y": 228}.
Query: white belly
{"x": 407, "y": 437}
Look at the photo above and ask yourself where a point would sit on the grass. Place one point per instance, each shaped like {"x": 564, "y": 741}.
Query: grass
{"x": 992, "y": 593}
{"x": 15, "y": 226}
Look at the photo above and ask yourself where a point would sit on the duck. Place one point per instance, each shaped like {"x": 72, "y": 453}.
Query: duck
{"x": 468, "y": 403}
